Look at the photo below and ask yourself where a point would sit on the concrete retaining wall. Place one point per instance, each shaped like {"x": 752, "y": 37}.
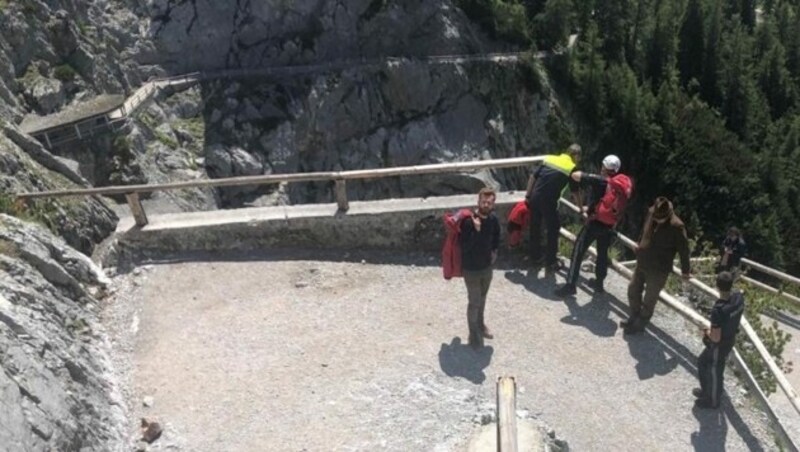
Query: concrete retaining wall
{"x": 407, "y": 224}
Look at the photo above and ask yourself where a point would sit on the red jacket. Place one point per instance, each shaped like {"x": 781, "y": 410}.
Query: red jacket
{"x": 451, "y": 251}
{"x": 518, "y": 220}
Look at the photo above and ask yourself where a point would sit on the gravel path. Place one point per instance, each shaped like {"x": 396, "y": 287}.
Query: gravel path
{"x": 302, "y": 351}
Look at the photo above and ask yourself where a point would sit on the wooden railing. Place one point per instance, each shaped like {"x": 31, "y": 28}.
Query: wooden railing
{"x": 339, "y": 177}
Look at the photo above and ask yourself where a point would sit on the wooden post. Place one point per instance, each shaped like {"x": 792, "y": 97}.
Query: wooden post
{"x": 506, "y": 414}
{"x": 136, "y": 209}
{"x": 341, "y": 195}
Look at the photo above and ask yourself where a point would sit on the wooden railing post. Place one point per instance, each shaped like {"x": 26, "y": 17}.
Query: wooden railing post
{"x": 341, "y": 195}
{"x": 136, "y": 208}
{"x": 506, "y": 414}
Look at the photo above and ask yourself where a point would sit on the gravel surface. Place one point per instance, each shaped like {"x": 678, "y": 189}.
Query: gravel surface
{"x": 301, "y": 350}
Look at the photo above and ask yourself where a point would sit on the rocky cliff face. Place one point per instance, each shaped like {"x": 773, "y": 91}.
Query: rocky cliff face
{"x": 56, "y": 387}
{"x": 403, "y": 113}
{"x": 55, "y": 52}
{"x": 202, "y": 35}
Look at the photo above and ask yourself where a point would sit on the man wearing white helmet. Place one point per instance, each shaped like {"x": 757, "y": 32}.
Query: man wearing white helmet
{"x": 608, "y": 197}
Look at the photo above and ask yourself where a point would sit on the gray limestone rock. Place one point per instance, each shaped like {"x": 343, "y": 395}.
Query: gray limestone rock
{"x": 46, "y": 93}
{"x": 403, "y": 113}
{"x": 211, "y": 35}
{"x": 57, "y": 387}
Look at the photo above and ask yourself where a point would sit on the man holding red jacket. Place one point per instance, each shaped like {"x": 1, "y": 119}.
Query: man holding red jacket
{"x": 480, "y": 239}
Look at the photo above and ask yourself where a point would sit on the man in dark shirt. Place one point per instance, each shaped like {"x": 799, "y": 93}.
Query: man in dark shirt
{"x": 480, "y": 239}
{"x": 732, "y": 250}
{"x": 663, "y": 236}
{"x": 719, "y": 341}
{"x": 544, "y": 189}
{"x": 593, "y": 229}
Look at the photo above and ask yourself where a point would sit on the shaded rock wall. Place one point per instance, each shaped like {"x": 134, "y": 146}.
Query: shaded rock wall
{"x": 201, "y": 35}
{"x": 404, "y": 113}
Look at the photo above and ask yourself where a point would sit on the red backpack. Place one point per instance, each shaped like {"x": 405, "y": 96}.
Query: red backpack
{"x": 612, "y": 205}
{"x": 451, "y": 251}
{"x": 518, "y": 220}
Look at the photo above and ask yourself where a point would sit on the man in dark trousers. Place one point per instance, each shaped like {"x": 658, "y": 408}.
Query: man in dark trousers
{"x": 719, "y": 341}
{"x": 603, "y": 212}
{"x": 480, "y": 238}
{"x": 731, "y": 252}
{"x": 544, "y": 189}
{"x": 663, "y": 236}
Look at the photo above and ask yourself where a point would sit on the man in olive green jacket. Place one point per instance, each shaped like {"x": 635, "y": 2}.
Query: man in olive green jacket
{"x": 664, "y": 235}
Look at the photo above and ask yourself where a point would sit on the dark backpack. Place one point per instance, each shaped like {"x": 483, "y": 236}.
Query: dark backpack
{"x": 613, "y": 203}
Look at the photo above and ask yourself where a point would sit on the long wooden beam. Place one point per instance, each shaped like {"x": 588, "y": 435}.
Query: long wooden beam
{"x": 292, "y": 177}
{"x": 772, "y": 290}
{"x": 771, "y": 271}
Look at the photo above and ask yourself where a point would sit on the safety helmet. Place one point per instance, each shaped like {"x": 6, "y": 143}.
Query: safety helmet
{"x": 612, "y": 163}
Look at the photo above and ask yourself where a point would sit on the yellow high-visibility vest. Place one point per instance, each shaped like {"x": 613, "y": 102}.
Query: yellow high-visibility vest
{"x": 562, "y": 163}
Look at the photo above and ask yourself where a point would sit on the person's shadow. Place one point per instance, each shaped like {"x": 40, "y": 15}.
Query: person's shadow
{"x": 461, "y": 360}
{"x": 592, "y": 315}
{"x": 650, "y": 355}
{"x": 713, "y": 431}
{"x": 542, "y": 287}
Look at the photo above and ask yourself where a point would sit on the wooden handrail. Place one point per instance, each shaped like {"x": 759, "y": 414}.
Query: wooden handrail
{"x": 771, "y": 271}
{"x": 292, "y": 177}
{"x": 795, "y": 300}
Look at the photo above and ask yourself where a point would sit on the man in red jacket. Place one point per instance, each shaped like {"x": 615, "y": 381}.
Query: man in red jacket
{"x": 480, "y": 239}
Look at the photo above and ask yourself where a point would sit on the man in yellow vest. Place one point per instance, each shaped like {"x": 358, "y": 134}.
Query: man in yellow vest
{"x": 545, "y": 186}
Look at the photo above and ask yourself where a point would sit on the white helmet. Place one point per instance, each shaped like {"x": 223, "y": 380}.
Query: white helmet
{"x": 612, "y": 163}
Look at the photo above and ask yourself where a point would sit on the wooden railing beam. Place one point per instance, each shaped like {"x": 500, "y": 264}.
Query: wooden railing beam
{"x": 292, "y": 177}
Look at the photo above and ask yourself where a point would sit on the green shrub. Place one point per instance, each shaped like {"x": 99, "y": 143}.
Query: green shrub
{"x": 64, "y": 72}
{"x": 42, "y": 211}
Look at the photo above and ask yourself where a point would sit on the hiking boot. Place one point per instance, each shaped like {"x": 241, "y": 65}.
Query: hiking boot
{"x": 705, "y": 404}
{"x": 536, "y": 263}
{"x": 629, "y": 321}
{"x": 698, "y": 393}
{"x": 597, "y": 285}
{"x": 476, "y": 341}
{"x": 636, "y": 326}
{"x": 486, "y": 333}
{"x": 566, "y": 290}
{"x": 552, "y": 268}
